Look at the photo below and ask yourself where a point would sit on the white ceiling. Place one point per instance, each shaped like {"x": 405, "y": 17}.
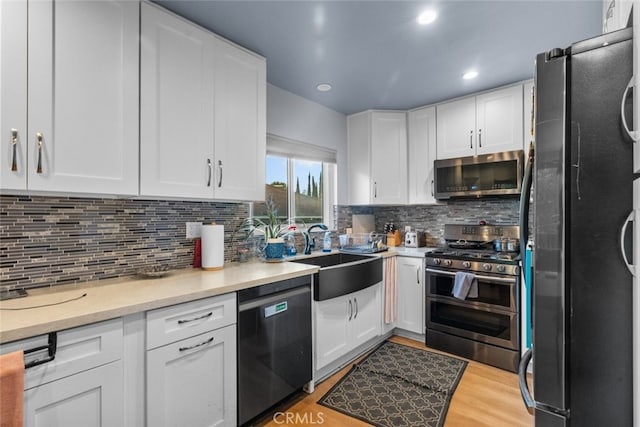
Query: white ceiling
{"x": 376, "y": 56}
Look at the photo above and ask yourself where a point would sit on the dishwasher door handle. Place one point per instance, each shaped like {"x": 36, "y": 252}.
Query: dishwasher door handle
{"x": 268, "y": 299}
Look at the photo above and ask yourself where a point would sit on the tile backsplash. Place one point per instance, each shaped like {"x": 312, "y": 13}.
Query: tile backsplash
{"x": 46, "y": 241}
{"x": 431, "y": 218}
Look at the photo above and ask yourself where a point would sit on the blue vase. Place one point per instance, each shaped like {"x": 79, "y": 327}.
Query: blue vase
{"x": 274, "y": 251}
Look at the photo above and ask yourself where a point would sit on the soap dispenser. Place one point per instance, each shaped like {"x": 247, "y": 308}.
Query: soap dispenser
{"x": 326, "y": 246}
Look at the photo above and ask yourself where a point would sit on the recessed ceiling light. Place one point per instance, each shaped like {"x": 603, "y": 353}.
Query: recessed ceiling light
{"x": 470, "y": 75}
{"x": 324, "y": 87}
{"x": 427, "y": 17}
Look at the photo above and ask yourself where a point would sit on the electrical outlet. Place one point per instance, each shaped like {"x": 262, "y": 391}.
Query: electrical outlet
{"x": 407, "y": 228}
{"x": 194, "y": 230}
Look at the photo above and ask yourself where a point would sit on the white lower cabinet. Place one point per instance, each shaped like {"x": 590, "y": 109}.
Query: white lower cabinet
{"x": 191, "y": 364}
{"x": 410, "y": 285}
{"x": 83, "y": 385}
{"x": 345, "y": 322}
{"x": 193, "y": 382}
{"x": 91, "y": 398}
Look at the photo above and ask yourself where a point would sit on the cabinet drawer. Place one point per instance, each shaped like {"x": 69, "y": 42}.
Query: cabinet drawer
{"x": 171, "y": 324}
{"x": 79, "y": 349}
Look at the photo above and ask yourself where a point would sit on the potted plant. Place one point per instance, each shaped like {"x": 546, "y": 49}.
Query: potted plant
{"x": 272, "y": 229}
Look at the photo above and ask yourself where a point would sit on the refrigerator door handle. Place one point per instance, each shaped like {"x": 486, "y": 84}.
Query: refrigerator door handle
{"x": 623, "y": 233}
{"x": 529, "y": 403}
{"x": 633, "y": 134}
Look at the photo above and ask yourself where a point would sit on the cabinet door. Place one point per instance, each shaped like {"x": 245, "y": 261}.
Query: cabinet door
{"x": 83, "y": 96}
{"x": 193, "y": 382}
{"x": 358, "y": 135}
{"x": 332, "y": 319}
{"x": 91, "y": 398}
{"x": 456, "y": 123}
{"x": 240, "y": 124}
{"x": 499, "y": 120}
{"x": 176, "y": 106}
{"x": 422, "y": 153}
{"x": 410, "y": 283}
{"x": 367, "y": 316}
{"x": 13, "y": 102}
{"x": 389, "y": 157}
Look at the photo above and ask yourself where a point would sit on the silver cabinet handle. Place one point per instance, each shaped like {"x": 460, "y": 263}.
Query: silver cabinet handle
{"x": 210, "y": 168}
{"x": 220, "y": 169}
{"x": 14, "y": 146}
{"x": 39, "y": 144}
{"x": 634, "y": 135}
{"x": 355, "y": 302}
{"x": 432, "y": 186}
{"x": 209, "y": 314}
{"x": 209, "y": 341}
{"x": 471, "y": 139}
{"x": 480, "y": 138}
{"x": 350, "y": 310}
{"x": 375, "y": 189}
{"x": 418, "y": 275}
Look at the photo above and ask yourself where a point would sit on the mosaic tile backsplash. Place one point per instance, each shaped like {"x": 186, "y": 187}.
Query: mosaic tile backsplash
{"x": 46, "y": 241}
{"x": 432, "y": 218}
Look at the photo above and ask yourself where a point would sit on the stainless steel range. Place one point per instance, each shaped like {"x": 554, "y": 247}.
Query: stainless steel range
{"x": 482, "y": 325}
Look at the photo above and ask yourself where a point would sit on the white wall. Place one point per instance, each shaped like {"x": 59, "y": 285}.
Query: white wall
{"x": 291, "y": 116}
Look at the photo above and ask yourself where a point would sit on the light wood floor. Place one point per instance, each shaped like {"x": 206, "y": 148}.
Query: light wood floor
{"x": 485, "y": 397}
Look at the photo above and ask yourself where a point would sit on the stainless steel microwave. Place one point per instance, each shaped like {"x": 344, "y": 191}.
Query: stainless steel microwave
{"x": 486, "y": 175}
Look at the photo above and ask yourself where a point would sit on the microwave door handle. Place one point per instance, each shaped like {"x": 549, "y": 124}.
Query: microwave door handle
{"x": 623, "y": 233}
{"x": 529, "y": 403}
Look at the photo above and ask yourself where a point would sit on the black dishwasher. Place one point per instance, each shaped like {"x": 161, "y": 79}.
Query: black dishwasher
{"x": 274, "y": 344}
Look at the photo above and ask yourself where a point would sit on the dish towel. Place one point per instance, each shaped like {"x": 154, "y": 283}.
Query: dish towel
{"x": 390, "y": 292}
{"x": 465, "y": 286}
{"x": 11, "y": 389}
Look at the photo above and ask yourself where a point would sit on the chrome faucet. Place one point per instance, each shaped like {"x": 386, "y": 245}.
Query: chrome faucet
{"x": 309, "y": 242}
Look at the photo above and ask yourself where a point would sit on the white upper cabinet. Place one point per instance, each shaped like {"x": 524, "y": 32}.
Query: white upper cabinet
{"x": 83, "y": 96}
{"x": 615, "y": 14}
{"x": 240, "y": 124}
{"x": 203, "y": 113}
{"x": 487, "y": 123}
{"x": 13, "y": 102}
{"x": 422, "y": 153}
{"x": 176, "y": 106}
{"x": 377, "y": 157}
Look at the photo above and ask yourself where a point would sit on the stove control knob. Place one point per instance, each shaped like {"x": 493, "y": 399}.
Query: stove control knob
{"x": 501, "y": 268}
{"x": 437, "y": 261}
{"x": 447, "y": 262}
{"x": 487, "y": 267}
{"x": 466, "y": 264}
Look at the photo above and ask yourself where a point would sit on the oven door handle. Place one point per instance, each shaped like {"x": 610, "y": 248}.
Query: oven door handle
{"x": 487, "y": 278}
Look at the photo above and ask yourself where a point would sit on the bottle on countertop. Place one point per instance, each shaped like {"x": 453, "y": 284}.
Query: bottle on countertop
{"x": 326, "y": 244}
{"x": 290, "y": 241}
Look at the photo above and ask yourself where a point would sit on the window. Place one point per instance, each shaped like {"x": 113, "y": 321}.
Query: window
{"x": 301, "y": 182}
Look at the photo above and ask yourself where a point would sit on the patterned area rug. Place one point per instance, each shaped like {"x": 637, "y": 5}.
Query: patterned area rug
{"x": 396, "y": 386}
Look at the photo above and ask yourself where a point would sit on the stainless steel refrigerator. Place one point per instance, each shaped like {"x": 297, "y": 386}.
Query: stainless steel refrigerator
{"x": 583, "y": 197}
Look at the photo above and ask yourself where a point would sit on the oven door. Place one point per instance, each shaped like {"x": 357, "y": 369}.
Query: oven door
{"x": 491, "y": 318}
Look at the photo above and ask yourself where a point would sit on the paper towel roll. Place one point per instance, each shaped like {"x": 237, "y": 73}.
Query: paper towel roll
{"x": 212, "y": 247}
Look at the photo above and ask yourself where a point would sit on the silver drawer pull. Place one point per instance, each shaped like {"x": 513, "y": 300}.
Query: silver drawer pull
{"x": 209, "y": 314}
{"x": 209, "y": 341}
{"x": 14, "y": 146}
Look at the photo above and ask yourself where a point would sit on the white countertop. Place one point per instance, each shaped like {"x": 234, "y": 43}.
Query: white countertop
{"x": 107, "y": 299}
{"x": 65, "y": 306}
